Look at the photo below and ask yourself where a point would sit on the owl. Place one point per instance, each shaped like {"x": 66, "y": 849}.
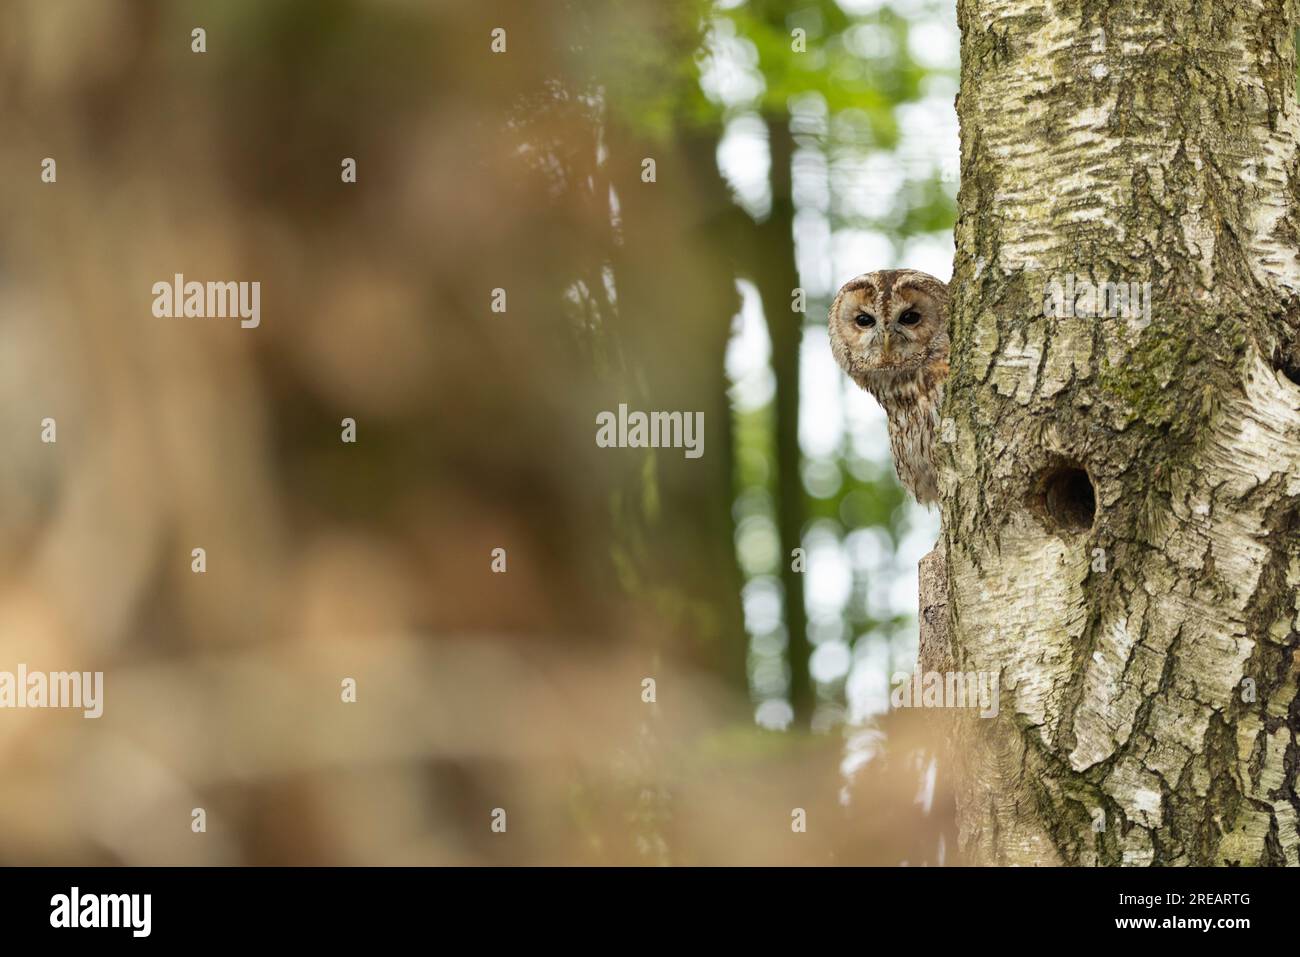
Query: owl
{"x": 889, "y": 332}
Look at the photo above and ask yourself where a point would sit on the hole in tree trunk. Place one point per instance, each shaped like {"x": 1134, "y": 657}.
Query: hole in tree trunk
{"x": 1067, "y": 498}
{"x": 1288, "y": 363}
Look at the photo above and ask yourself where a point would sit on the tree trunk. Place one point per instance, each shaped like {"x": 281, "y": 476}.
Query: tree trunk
{"x": 776, "y": 276}
{"x": 1121, "y": 498}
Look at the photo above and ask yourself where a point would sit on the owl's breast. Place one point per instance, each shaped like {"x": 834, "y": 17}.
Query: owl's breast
{"x": 913, "y": 422}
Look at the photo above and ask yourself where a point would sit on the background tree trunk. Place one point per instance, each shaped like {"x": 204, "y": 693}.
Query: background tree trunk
{"x": 776, "y": 277}
{"x": 1147, "y": 652}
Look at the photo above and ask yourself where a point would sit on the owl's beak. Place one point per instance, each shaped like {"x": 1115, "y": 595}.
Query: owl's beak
{"x": 886, "y": 346}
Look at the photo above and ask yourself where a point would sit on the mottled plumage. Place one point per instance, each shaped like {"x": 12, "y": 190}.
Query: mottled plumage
{"x": 889, "y": 332}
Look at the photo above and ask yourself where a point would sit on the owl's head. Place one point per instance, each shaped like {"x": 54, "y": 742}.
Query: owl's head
{"x": 889, "y": 322}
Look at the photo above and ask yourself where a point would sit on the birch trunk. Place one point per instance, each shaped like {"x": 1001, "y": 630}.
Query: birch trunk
{"x": 1121, "y": 499}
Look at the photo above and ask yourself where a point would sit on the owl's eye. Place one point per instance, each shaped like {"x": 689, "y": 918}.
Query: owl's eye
{"x": 864, "y": 320}
{"x": 910, "y": 318}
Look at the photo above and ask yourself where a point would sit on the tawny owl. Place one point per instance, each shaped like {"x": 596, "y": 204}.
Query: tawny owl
{"x": 889, "y": 332}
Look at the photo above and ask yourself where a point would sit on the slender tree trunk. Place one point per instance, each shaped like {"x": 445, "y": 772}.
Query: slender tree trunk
{"x": 1121, "y": 500}
{"x": 776, "y": 277}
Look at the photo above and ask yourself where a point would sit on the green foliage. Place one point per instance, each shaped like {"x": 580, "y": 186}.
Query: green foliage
{"x": 851, "y": 63}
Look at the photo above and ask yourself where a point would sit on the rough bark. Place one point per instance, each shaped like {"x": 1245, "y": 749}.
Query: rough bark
{"x": 935, "y": 652}
{"x": 1147, "y": 652}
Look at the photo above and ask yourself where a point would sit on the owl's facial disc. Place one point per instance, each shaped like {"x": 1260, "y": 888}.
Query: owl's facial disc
{"x": 886, "y": 333}
{"x": 888, "y": 323}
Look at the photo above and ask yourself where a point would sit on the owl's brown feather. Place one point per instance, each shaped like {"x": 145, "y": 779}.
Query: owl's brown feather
{"x": 889, "y": 332}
